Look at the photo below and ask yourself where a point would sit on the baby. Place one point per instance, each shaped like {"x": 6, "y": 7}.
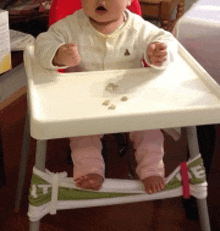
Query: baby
{"x": 104, "y": 36}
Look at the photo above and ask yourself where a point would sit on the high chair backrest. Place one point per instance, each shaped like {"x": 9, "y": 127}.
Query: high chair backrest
{"x": 62, "y": 8}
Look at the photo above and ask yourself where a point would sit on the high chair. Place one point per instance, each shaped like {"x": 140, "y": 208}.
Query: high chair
{"x": 174, "y": 99}
{"x": 191, "y": 99}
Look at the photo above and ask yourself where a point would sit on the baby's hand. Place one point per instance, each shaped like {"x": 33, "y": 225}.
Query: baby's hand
{"x": 67, "y": 55}
{"x": 157, "y": 53}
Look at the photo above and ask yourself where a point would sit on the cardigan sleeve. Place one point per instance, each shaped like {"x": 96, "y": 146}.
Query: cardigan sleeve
{"x": 162, "y": 36}
{"x": 149, "y": 33}
{"x": 47, "y": 43}
{"x": 171, "y": 43}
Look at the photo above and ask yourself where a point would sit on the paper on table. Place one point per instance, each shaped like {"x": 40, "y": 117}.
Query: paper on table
{"x": 20, "y": 40}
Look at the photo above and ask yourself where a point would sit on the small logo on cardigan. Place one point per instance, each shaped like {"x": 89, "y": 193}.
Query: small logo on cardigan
{"x": 127, "y": 52}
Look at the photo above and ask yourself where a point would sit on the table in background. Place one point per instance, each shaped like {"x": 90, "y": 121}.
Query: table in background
{"x": 17, "y": 58}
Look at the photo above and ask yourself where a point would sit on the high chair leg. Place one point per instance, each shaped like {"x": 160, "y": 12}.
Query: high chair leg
{"x": 201, "y": 203}
{"x": 41, "y": 150}
{"x": 23, "y": 164}
{"x": 40, "y": 162}
{"x": 34, "y": 226}
{"x": 203, "y": 214}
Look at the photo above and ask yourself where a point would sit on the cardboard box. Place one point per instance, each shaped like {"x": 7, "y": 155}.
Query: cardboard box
{"x": 5, "y": 49}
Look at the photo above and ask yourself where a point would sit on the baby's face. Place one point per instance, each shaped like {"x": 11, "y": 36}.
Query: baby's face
{"x": 104, "y": 11}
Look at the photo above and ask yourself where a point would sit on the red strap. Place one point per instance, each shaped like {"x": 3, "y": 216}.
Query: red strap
{"x": 185, "y": 180}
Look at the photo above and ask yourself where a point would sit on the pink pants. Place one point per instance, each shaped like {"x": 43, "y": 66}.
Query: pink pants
{"x": 148, "y": 145}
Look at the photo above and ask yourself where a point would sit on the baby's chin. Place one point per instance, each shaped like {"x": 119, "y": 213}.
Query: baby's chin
{"x": 103, "y": 20}
{"x": 100, "y": 21}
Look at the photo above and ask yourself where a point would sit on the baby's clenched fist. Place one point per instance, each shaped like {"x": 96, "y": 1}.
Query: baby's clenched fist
{"x": 67, "y": 55}
{"x": 157, "y": 53}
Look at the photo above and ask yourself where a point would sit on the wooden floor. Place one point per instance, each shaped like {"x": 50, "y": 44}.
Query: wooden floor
{"x": 164, "y": 215}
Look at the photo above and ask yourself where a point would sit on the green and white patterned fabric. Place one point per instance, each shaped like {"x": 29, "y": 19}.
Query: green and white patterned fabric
{"x": 50, "y": 192}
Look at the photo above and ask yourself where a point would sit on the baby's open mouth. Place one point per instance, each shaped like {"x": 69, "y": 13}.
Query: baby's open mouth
{"x": 101, "y": 10}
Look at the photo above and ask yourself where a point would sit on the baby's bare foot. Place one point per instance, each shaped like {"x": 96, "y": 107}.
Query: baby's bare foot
{"x": 91, "y": 181}
{"x": 153, "y": 184}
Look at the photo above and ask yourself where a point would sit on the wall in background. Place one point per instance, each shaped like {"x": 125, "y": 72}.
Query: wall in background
{"x": 188, "y": 4}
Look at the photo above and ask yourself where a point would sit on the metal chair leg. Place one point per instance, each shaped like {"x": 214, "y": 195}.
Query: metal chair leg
{"x": 41, "y": 150}
{"x": 34, "y": 226}
{"x": 40, "y": 162}
{"x": 23, "y": 164}
{"x": 201, "y": 203}
{"x": 203, "y": 214}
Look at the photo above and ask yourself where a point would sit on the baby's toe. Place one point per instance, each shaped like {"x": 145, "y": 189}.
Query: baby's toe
{"x": 149, "y": 190}
{"x": 86, "y": 184}
{"x": 157, "y": 187}
{"x": 162, "y": 185}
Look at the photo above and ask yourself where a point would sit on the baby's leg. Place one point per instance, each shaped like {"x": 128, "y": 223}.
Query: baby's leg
{"x": 88, "y": 171}
{"x": 149, "y": 154}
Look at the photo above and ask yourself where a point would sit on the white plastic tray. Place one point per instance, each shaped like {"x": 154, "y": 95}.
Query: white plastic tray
{"x": 70, "y": 104}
